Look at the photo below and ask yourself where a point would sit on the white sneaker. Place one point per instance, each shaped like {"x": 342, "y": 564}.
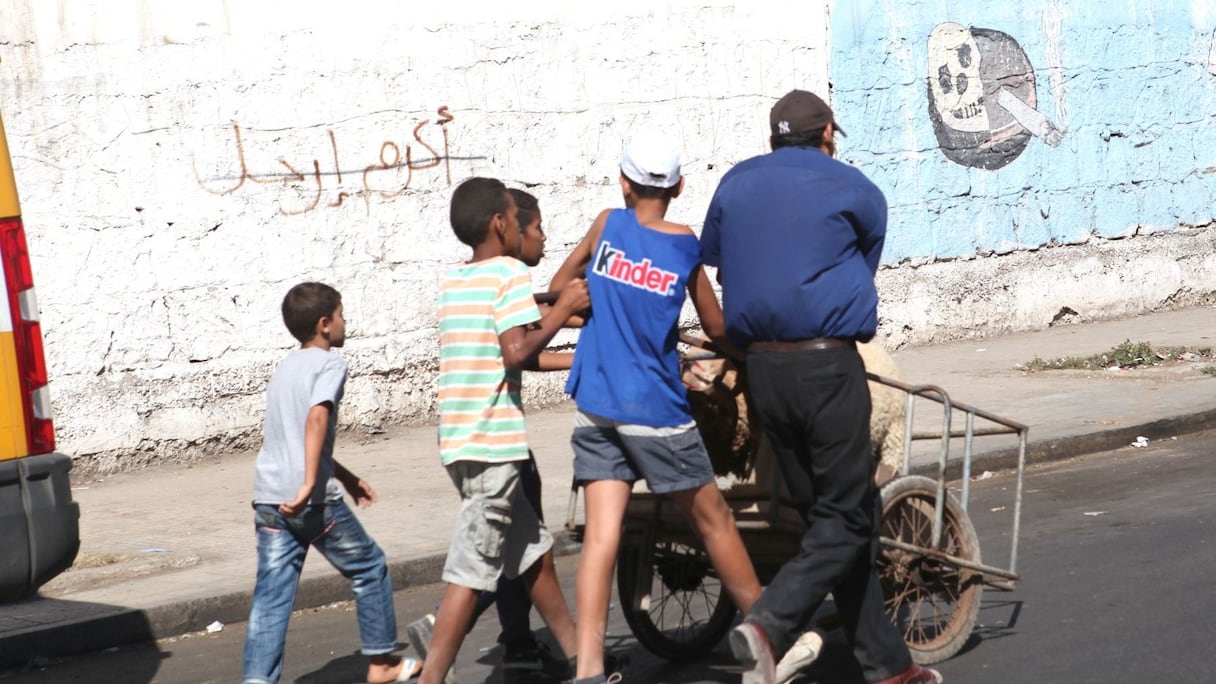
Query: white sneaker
{"x": 751, "y": 649}
{"x": 804, "y": 652}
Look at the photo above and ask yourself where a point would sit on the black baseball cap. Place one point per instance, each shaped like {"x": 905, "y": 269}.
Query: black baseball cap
{"x": 801, "y": 111}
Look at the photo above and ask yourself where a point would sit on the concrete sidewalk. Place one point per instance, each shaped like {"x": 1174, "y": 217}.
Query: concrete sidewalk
{"x": 171, "y": 550}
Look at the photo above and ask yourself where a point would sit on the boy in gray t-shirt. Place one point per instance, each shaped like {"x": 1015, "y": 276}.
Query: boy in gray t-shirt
{"x": 297, "y": 501}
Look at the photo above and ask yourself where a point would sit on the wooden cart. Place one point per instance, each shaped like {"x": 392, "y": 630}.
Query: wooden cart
{"x": 930, "y": 567}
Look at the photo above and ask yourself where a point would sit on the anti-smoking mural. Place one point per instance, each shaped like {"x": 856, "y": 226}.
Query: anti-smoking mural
{"x": 982, "y": 98}
{"x": 996, "y": 127}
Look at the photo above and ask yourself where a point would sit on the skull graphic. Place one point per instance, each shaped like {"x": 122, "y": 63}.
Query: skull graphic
{"x": 973, "y": 73}
{"x": 957, "y": 91}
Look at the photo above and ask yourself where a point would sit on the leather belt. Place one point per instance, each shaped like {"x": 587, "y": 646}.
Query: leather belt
{"x": 813, "y": 344}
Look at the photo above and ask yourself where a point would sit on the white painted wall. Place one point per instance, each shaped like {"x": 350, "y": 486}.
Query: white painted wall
{"x": 161, "y": 257}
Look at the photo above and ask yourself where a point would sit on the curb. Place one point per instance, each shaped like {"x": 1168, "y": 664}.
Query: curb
{"x": 1061, "y": 448}
{"x": 121, "y": 626}
{"x": 126, "y": 626}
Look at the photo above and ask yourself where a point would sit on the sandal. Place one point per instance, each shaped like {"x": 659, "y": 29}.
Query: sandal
{"x": 411, "y": 669}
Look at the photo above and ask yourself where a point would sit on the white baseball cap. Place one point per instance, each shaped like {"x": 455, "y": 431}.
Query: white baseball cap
{"x": 652, "y": 159}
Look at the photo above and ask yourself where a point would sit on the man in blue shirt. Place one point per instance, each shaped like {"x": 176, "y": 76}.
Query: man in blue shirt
{"x": 797, "y": 237}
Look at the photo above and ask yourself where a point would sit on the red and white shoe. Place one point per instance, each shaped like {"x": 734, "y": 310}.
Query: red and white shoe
{"x": 752, "y": 649}
{"x": 914, "y": 675}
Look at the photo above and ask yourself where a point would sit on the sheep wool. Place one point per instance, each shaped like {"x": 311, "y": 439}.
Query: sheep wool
{"x": 719, "y": 402}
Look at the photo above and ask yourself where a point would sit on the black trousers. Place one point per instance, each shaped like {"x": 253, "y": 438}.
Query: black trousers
{"x": 814, "y": 407}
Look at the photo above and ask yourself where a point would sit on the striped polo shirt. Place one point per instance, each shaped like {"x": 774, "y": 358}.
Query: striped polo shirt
{"x": 481, "y": 415}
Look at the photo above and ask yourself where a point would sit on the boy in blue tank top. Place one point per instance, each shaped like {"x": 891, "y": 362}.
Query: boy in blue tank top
{"x": 633, "y": 420}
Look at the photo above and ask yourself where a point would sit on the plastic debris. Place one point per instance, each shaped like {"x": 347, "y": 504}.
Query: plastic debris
{"x": 1140, "y": 442}
{"x": 214, "y": 627}
{"x": 154, "y": 549}
{"x": 984, "y": 475}
{"x": 1094, "y": 514}
{"x": 998, "y": 509}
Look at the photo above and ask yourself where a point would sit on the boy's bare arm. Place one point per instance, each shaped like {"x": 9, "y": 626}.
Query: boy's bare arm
{"x": 544, "y": 300}
{"x": 358, "y": 488}
{"x": 580, "y": 256}
{"x": 710, "y": 313}
{"x": 553, "y": 361}
{"x": 521, "y": 344}
{"x": 316, "y": 425}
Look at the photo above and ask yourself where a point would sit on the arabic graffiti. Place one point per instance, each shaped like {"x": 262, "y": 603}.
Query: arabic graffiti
{"x": 388, "y": 169}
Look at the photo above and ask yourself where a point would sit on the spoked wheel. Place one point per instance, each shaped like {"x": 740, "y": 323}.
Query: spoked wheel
{"x": 674, "y": 603}
{"x": 934, "y": 602}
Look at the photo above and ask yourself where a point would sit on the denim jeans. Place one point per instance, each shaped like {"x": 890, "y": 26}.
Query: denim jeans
{"x": 282, "y": 545}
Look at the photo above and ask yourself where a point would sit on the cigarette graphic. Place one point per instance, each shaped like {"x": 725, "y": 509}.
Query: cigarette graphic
{"x": 1030, "y": 118}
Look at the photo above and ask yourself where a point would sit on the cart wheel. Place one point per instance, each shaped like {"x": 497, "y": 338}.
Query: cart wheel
{"x": 674, "y": 603}
{"x": 933, "y": 602}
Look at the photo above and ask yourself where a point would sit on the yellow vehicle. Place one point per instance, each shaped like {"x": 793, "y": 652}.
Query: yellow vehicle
{"x": 39, "y": 522}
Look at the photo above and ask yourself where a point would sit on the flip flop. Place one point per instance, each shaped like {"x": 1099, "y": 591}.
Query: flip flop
{"x": 410, "y": 671}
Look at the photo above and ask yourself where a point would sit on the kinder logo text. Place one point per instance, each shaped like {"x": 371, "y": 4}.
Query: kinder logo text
{"x": 612, "y": 263}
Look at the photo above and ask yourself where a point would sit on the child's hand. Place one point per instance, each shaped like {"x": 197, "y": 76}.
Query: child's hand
{"x": 361, "y": 492}
{"x": 575, "y": 296}
{"x": 296, "y": 506}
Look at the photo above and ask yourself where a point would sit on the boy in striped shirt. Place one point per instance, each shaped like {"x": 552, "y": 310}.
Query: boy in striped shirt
{"x": 490, "y": 329}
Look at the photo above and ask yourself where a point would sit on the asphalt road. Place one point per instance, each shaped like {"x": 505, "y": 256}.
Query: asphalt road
{"x": 1115, "y": 557}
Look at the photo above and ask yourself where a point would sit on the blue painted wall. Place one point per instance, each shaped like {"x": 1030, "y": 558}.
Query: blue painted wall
{"x": 1127, "y": 87}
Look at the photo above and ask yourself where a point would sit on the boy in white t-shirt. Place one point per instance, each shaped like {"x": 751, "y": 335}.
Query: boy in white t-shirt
{"x": 297, "y": 503}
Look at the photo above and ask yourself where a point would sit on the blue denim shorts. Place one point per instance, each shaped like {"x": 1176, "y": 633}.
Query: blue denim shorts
{"x": 498, "y": 532}
{"x": 669, "y": 459}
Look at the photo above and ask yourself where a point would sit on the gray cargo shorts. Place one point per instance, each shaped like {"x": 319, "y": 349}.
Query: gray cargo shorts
{"x": 497, "y": 530}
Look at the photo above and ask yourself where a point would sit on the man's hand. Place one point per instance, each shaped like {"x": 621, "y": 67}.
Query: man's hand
{"x": 698, "y": 375}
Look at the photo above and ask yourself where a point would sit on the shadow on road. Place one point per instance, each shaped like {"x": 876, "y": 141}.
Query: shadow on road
{"x": 40, "y": 632}
{"x": 997, "y": 619}
{"x": 348, "y": 668}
